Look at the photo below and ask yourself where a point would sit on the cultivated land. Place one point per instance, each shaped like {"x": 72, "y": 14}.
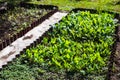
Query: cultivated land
{"x": 88, "y": 37}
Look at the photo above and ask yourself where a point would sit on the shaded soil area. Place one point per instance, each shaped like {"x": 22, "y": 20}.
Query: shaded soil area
{"x": 115, "y": 75}
{"x": 14, "y": 20}
{"x": 114, "y": 65}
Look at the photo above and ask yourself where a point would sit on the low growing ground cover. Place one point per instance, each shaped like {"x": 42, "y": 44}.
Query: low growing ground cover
{"x": 78, "y": 48}
{"x": 17, "y": 19}
{"x": 112, "y": 5}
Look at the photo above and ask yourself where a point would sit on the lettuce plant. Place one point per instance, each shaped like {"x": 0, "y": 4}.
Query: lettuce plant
{"x": 81, "y": 42}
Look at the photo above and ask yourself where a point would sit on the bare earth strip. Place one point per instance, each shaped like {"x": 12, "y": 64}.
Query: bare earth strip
{"x": 10, "y": 52}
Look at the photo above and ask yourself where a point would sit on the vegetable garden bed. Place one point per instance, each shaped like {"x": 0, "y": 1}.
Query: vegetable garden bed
{"x": 16, "y": 21}
{"x": 78, "y": 47}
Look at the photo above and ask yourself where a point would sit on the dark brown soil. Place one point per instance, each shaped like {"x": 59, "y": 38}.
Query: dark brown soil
{"x": 13, "y": 21}
{"x": 114, "y": 67}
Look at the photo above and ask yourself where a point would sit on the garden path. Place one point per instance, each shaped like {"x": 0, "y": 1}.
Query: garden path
{"x": 14, "y": 49}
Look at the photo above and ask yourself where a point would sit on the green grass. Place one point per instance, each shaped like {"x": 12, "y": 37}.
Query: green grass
{"x": 71, "y": 4}
{"x": 112, "y": 5}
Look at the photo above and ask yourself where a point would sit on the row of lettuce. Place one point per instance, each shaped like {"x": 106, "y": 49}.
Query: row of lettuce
{"x": 81, "y": 42}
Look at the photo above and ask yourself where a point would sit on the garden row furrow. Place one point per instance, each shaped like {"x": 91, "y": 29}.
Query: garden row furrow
{"x": 114, "y": 65}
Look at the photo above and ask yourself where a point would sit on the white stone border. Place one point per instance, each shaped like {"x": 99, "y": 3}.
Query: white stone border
{"x": 10, "y": 52}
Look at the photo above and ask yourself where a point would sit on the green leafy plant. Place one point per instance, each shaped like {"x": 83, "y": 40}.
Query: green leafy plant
{"x": 81, "y": 42}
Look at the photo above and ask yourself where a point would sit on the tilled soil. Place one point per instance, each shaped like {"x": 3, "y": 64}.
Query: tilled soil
{"x": 12, "y": 21}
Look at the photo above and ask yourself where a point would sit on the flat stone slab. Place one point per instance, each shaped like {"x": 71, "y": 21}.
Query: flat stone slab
{"x": 10, "y": 52}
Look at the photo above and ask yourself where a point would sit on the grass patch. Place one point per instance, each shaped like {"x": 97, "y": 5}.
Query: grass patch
{"x": 93, "y": 4}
